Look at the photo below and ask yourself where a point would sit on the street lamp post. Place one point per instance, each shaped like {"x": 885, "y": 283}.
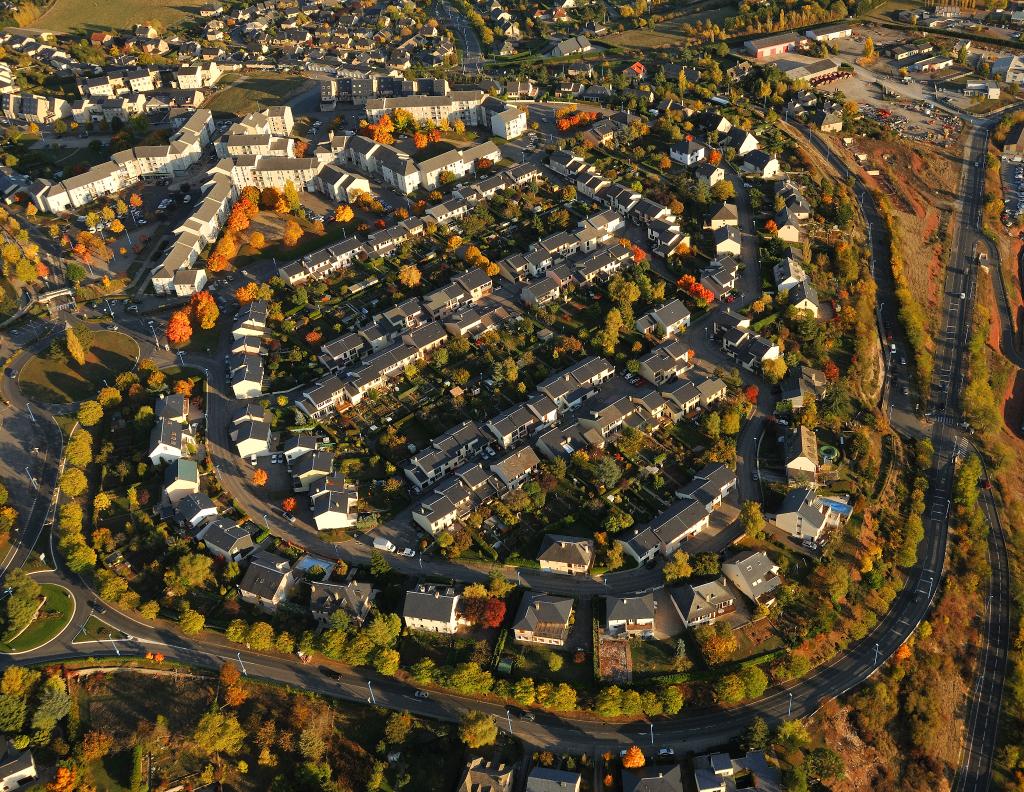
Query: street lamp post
{"x": 266, "y": 522}
{"x": 111, "y": 637}
{"x": 31, "y": 414}
{"x": 241, "y": 664}
{"x": 651, "y": 724}
{"x": 509, "y": 716}
{"x": 876, "y": 654}
{"x": 789, "y": 713}
{"x": 369, "y": 687}
{"x": 32, "y": 478}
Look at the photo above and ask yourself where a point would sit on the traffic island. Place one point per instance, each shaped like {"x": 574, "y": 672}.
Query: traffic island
{"x": 51, "y": 619}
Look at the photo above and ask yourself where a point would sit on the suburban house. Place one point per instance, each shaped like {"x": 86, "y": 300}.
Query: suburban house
{"x": 760, "y": 163}
{"x": 630, "y": 616}
{"x": 17, "y": 768}
{"x": 719, "y": 772}
{"x": 703, "y": 603}
{"x": 653, "y": 778}
{"x": 671, "y": 318}
{"x": 168, "y": 442}
{"x": 193, "y": 510}
{"x": 181, "y": 479}
{"x": 172, "y": 407}
{"x": 354, "y": 599}
{"x": 800, "y": 383}
{"x": 334, "y": 503}
{"x": 568, "y": 555}
{"x": 267, "y": 581}
{"x": 688, "y": 152}
{"x": 226, "y": 541}
{"x": 431, "y": 608}
{"x": 801, "y": 453}
{"x": 754, "y": 576}
{"x": 486, "y": 775}
{"x": 804, "y": 515}
{"x": 252, "y": 438}
{"x": 685, "y": 518}
{"x": 548, "y": 779}
{"x": 543, "y": 619}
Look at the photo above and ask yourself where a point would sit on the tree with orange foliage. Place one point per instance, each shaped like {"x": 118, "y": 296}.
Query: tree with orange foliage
{"x": 217, "y": 262}
{"x": 903, "y": 653}
{"x": 184, "y": 387}
{"x": 257, "y": 241}
{"x": 269, "y": 197}
{"x": 251, "y": 208}
{"x": 434, "y": 135}
{"x": 484, "y": 164}
{"x": 831, "y": 372}
{"x": 420, "y": 140}
{"x": 235, "y": 696}
{"x": 246, "y": 294}
{"x": 42, "y": 271}
{"x": 250, "y": 194}
{"x": 609, "y": 780}
{"x": 317, "y": 227}
{"x": 66, "y": 780}
{"x": 771, "y": 226}
{"x": 227, "y": 246}
{"x": 300, "y": 148}
{"x": 343, "y": 214}
{"x": 259, "y": 477}
{"x": 639, "y": 254}
{"x": 715, "y": 157}
{"x": 401, "y": 213}
{"x": 204, "y": 309}
{"x": 179, "y": 328}
{"x": 665, "y": 163}
{"x": 289, "y": 504}
{"x": 313, "y": 337}
{"x": 135, "y": 200}
{"x": 634, "y": 758}
{"x": 237, "y": 220}
{"x": 292, "y": 234}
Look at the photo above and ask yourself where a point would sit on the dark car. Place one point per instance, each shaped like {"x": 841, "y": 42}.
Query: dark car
{"x": 330, "y": 673}
{"x": 98, "y": 607}
{"x": 9, "y": 372}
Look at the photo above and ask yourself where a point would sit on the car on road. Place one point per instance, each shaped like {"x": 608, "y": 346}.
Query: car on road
{"x": 9, "y": 372}
{"x": 421, "y": 694}
{"x": 98, "y": 607}
{"x": 666, "y": 753}
{"x": 408, "y": 552}
{"x": 330, "y": 673}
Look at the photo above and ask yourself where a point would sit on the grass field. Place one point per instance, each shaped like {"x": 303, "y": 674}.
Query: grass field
{"x": 55, "y": 381}
{"x": 243, "y": 93}
{"x": 642, "y": 39}
{"x": 90, "y": 16}
{"x": 52, "y": 618}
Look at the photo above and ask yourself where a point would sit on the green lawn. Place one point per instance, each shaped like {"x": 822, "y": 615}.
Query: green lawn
{"x": 46, "y": 627}
{"x": 55, "y": 381}
{"x": 98, "y": 630}
{"x": 88, "y": 16}
{"x": 8, "y": 299}
{"x": 245, "y": 91}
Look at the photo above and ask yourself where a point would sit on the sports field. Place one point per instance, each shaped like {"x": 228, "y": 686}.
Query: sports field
{"x": 91, "y": 16}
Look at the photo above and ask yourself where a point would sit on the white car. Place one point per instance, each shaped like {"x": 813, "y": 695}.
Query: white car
{"x": 408, "y": 552}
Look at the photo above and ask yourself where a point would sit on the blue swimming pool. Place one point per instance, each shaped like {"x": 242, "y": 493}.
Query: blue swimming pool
{"x": 844, "y": 509}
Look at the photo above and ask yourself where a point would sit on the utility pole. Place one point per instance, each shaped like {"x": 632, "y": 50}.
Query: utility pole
{"x": 789, "y": 714}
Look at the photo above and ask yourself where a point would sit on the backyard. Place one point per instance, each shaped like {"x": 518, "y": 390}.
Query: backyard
{"x": 62, "y": 381}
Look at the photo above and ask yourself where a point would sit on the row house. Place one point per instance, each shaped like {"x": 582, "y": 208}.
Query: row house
{"x": 323, "y": 263}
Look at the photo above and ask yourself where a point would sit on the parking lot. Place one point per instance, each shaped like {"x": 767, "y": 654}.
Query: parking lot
{"x": 1013, "y": 190}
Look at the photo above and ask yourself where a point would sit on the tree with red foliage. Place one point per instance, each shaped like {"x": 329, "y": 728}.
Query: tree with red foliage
{"x": 715, "y": 157}
{"x": 288, "y": 504}
{"x": 771, "y": 226}
{"x": 751, "y": 393}
{"x": 484, "y": 164}
{"x": 434, "y": 135}
{"x": 831, "y": 371}
{"x": 494, "y": 613}
{"x": 420, "y": 140}
{"x": 300, "y": 148}
{"x": 313, "y": 337}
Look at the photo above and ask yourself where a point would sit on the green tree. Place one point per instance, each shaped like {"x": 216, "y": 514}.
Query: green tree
{"x": 677, "y": 567}
{"x": 757, "y": 736}
{"x": 478, "y": 729}
{"x": 219, "y": 733}
{"x": 73, "y": 345}
{"x": 398, "y": 727}
{"x": 825, "y": 764}
{"x": 90, "y": 413}
{"x": 192, "y": 622}
{"x": 54, "y": 704}
{"x": 752, "y": 519}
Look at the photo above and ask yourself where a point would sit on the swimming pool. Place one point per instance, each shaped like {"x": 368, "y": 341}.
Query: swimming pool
{"x": 844, "y": 509}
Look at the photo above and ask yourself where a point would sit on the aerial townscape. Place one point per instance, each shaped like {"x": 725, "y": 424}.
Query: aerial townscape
{"x": 492, "y": 396}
